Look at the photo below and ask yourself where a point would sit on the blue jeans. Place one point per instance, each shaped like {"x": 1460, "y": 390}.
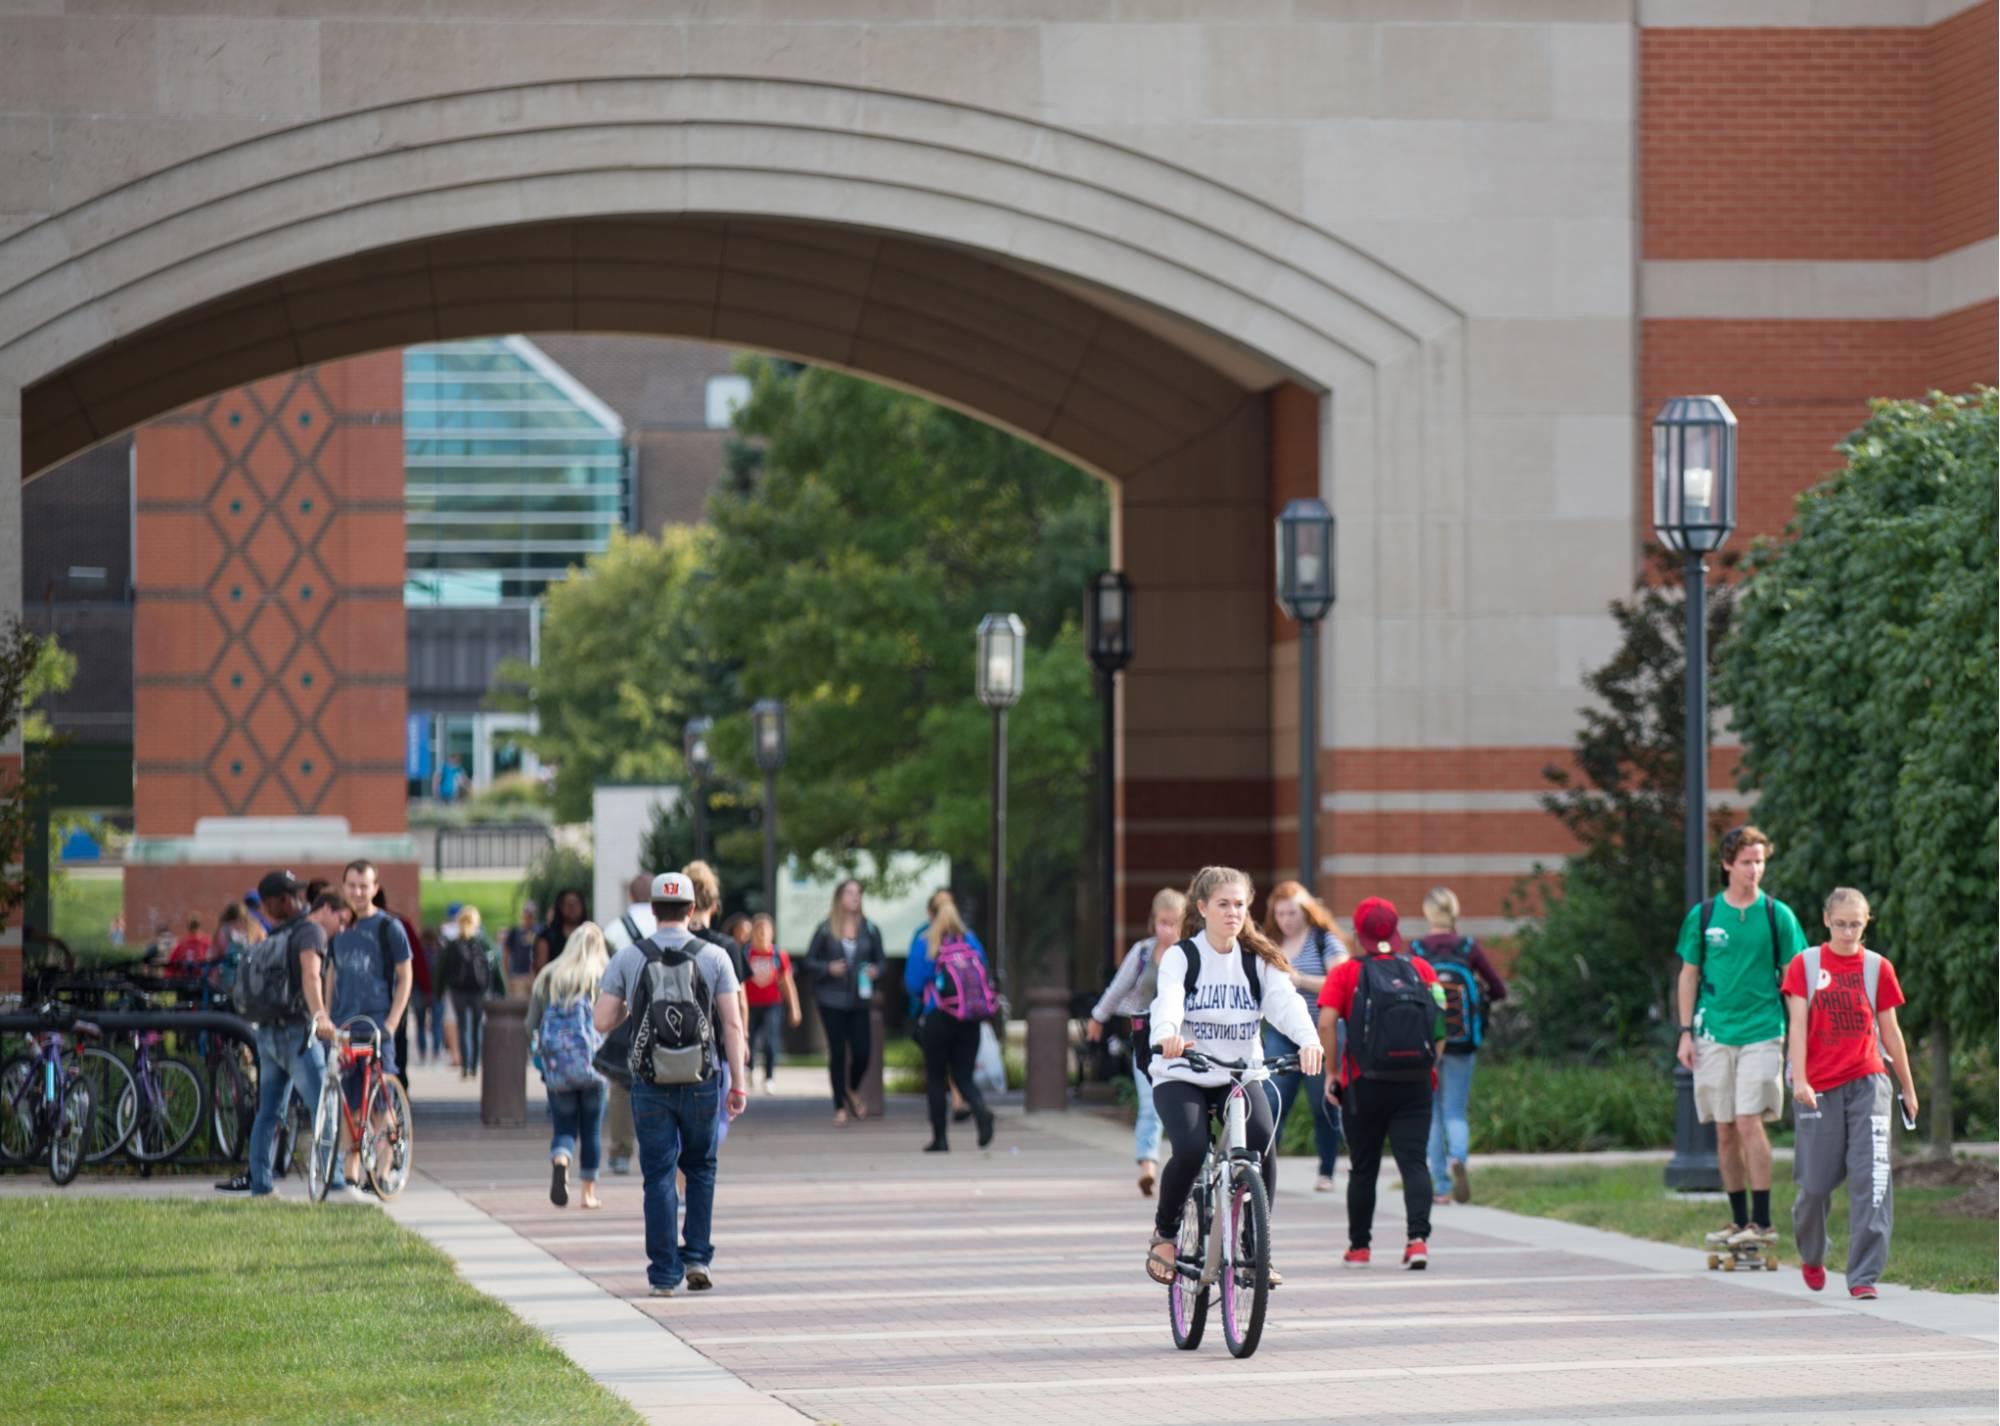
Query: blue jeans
{"x": 675, "y": 1126}
{"x": 470, "y": 1010}
{"x": 1451, "y": 1135}
{"x": 578, "y": 1116}
{"x": 1146, "y": 1133}
{"x": 767, "y": 1034}
{"x": 427, "y": 1013}
{"x": 1287, "y": 1087}
{"x": 287, "y": 1056}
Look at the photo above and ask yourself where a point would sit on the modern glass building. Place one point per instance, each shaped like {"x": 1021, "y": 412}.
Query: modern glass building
{"x": 513, "y": 472}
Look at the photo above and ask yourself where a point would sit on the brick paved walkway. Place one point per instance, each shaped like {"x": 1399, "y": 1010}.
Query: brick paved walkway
{"x": 864, "y": 1282}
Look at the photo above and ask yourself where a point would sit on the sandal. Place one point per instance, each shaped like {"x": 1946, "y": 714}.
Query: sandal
{"x": 1161, "y": 1269}
{"x": 1273, "y": 1278}
{"x": 854, "y": 1108}
{"x": 839, "y": 1118}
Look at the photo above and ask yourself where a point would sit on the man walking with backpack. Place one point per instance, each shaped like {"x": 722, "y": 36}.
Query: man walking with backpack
{"x": 1393, "y": 1008}
{"x": 372, "y": 977}
{"x": 278, "y": 991}
{"x": 677, "y": 990}
{"x": 630, "y": 929}
{"x": 1734, "y": 948}
{"x": 1471, "y": 985}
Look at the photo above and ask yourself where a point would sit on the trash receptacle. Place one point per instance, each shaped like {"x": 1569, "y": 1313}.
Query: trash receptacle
{"x": 503, "y": 1065}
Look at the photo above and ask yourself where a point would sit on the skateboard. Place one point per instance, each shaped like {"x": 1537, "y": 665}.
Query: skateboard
{"x": 1745, "y": 1256}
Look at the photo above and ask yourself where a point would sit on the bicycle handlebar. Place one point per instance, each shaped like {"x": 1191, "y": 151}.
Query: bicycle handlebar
{"x": 1197, "y": 1061}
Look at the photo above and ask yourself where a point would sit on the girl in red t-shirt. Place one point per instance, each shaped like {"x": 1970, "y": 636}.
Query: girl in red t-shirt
{"x": 773, "y": 996}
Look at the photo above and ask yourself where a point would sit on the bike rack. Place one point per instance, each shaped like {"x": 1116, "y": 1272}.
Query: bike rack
{"x": 223, "y": 1023}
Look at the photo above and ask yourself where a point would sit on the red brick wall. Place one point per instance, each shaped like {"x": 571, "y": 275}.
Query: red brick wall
{"x": 268, "y": 643}
{"x": 1960, "y": 348}
{"x": 1963, "y": 152}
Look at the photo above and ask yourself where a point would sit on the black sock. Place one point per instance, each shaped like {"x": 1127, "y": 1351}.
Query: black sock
{"x": 1739, "y": 1207}
{"x": 1760, "y": 1207}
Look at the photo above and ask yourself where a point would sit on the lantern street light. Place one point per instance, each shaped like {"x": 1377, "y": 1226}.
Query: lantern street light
{"x": 694, "y": 743}
{"x": 767, "y": 743}
{"x": 1694, "y": 509}
{"x": 1305, "y": 593}
{"x": 1002, "y": 644}
{"x": 1108, "y": 620}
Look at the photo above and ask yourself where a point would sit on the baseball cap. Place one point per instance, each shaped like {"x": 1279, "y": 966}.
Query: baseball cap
{"x": 278, "y": 883}
{"x": 1375, "y": 921}
{"x": 672, "y": 886}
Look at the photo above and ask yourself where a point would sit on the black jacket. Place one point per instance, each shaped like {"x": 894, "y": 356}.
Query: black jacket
{"x": 838, "y": 992}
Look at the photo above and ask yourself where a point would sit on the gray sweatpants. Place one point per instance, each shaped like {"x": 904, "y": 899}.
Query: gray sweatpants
{"x": 1846, "y": 1137}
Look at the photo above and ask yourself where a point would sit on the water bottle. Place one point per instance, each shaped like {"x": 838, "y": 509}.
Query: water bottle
{"x": 864, "y": 981}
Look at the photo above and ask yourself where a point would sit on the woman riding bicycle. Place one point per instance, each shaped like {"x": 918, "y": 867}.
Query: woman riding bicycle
{"x": 1220, "y": 1018}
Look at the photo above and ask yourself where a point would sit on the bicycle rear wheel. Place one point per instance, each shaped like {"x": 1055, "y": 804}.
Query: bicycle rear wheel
{"x": 1187, "y": 1300}
{"x": 71, "y": 1137}
{"x": 114, "y": 1100}
{"x": 232, "y": 1103}
{"x": 390, "y": 1142}
{"x": 20, "y": 1104}
{"x": 169, "y": 1113}
{"x": 1246, "y": 1283}
{"x": 325, "y": 1137}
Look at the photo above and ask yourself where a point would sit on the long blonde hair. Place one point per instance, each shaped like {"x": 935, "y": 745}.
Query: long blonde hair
{"x": 576, "y": 973}
{"x": 836, "y": 917}
{"x": 1310, "y": 907}
{"x": 946, "y": 923}
{"x": 1202, "y": 887}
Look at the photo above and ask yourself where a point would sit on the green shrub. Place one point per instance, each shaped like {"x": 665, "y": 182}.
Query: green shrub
{"x": 903, "y": 1067}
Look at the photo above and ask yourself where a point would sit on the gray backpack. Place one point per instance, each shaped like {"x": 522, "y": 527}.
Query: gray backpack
{"x": 675, "y": 1039}
{"x": 265, "y": 993}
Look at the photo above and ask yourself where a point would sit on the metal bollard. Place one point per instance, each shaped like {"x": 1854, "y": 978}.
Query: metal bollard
{"x": 1048, "y": 1049}
{"x": 871, "y": 1079}
{"x": 503, "y": 1065}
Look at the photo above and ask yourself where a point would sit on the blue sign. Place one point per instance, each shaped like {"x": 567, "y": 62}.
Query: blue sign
{"x": 417, "y": 747}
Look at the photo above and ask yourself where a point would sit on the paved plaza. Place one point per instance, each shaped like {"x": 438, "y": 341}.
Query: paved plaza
{"x": 862, "y": 1282}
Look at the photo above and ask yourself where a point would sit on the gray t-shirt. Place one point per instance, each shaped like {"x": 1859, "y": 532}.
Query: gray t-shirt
{"x": 621, "y": 977}
{"x": 359, "y": 987}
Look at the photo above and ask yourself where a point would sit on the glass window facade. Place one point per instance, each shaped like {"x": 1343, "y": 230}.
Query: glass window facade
{"x": 513, "y": 473}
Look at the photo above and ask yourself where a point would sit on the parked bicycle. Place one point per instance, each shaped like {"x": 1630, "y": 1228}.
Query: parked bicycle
{"x": 46, "y": 1105}
{"x": 1236, "y": 1259}
{"x": 378, "y": 1126}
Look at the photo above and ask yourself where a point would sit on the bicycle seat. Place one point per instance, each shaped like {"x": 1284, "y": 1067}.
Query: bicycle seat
{"x": 85, "y": 1028}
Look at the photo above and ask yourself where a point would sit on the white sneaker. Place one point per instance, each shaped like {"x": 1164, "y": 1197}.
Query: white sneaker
{"x": 699, "y": 1278}
{"x": 1753, "y": 1236}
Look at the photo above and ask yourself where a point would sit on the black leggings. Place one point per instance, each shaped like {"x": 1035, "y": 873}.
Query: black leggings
{"x": 1375, "y": 1110}
{"x": 950, "y": 1049}
{"x": 1185, "y": 1111}
{"x": 846, "y": 1050}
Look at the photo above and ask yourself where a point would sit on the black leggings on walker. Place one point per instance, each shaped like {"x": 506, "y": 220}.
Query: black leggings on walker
{"x": 1185, "y": 1114}
{"x": 846, "y": 1050}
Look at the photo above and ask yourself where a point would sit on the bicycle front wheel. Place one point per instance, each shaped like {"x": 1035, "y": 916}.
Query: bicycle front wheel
{"x": 325, "y": 1138}
{"x": 1187, "y": 1298}
{"x": 114, "y": 1098}
{"x": 170, "y": 1110}
{"x": 232, "y": 1104}
{"x": 389, "y": 1139}
{"x": 71, "y": 1139}
{"x": 1246, "y": 1282}
{"x": 20, "y": 1107}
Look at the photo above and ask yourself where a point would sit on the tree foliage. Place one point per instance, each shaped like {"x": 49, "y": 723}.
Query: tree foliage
{"x": 1862, "y": 678}
{"x": 32, "y": 666}
{"x": 1592, "y": 971}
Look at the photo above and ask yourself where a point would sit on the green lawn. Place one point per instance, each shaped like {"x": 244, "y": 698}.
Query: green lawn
{"x": 192, "y": 1312}
{"x": 499, "y": 902}
{"x": 83, "y": 907}
{"x": 1931, "y": 1247}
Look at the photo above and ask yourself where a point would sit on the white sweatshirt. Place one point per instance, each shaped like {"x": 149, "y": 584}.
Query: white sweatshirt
{"x": 1220, "y": 1018}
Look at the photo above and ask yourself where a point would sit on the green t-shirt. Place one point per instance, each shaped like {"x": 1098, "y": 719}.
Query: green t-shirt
{"x": 1739, "y": 1003}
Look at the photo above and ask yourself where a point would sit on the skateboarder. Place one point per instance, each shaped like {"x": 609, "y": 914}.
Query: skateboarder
{"x": 1842, "y": 1000}
{"x": 1733, "y": 949}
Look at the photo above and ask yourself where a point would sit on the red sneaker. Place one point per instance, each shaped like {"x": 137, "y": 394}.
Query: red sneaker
{"x": 1864, "y": 1292}
{"x": 1356, "y": 1258}
{"x": 1416, "y": 1257}
{"x": 1814, "y": 1275}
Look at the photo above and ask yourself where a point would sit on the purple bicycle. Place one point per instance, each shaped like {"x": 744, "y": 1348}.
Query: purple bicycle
{"x": 46, "y": 1105}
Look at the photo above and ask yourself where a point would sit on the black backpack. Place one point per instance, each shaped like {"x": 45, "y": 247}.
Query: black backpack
{"x": 1395, "y": 1021}
{"x": 1192, "y": 952}
{"x": 614, "y": 1057}
{"x": 674, "y": 1041}
{"x": 471, "y": 968}
{"x": 267, "y": 984}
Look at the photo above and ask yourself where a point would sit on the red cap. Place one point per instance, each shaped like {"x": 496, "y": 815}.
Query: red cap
{"x": 1375, "y": 921}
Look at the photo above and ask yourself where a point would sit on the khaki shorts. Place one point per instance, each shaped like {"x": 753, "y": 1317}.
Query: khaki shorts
{"x": 1736, "y": 1081}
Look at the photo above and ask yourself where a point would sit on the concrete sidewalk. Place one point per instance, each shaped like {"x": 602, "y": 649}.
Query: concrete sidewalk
{"x": 861, "y": 1281}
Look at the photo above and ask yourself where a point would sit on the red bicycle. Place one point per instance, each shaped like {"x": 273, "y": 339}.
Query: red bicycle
{"x": 377, "y": 1123}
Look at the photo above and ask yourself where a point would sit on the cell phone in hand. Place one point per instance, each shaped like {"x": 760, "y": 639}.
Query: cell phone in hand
{"x": 1909, "y": 1119}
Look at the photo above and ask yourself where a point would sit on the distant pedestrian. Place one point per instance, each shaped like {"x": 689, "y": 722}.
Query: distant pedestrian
{"x": 190, "y": 951}
{"x": 917, "y": 983}
{"x": 1841, "y": 1001}
{"x": 631, "y": 928}
{"x": 847, "y": 961}
{"x": 1734, "y": 949}
{"x": 1305, "y": 931}
{"x": 707, "y": 887}
{"x": 519, "y": 944}
{"x": 370, "y": 979}
{"x": 1131, "y": 993}
{"x": 469, "y": 980}
{"x": 681, "y": 992}
{"x": 566, "y": 913}
{"x": 960, "y": 999}
{"x": 1471, "y": 987}
{"x": 423, "y": 1002}
{"x": 1393, "y": 1010}
{"x": 419, "y": 976}
{"x": 562, "y": 1027}
{"x": 773, "y": 994}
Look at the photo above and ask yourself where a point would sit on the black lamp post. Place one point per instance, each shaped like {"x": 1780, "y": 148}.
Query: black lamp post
{"x": 1108, "y": 618}
{"x": 1305, "y": 593}
{"x": 1002, "y": 642}
{"x": 767, "y": 739}
{"x": 694, "y": 743}
{"x": 1694, "y": 509}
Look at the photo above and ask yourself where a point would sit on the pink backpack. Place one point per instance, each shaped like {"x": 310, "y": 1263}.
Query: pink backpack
{"x": 959, "y": 984}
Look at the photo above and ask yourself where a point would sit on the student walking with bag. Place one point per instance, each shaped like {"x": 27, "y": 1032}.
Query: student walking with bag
{"x": 847, "y": 960}
{"x": 562, "y": 1027}
{"x": 469, "y": 979}
{"x": 958, "y": 1001}
{"x": 1471, "y": 987}
{"x": 1306, "y": 933}
{"x": 1131, "y": 994}
{"x": 631, "y": 928}
{"x": 773, "y": 995}
{"x": 1841, "y": 1001}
